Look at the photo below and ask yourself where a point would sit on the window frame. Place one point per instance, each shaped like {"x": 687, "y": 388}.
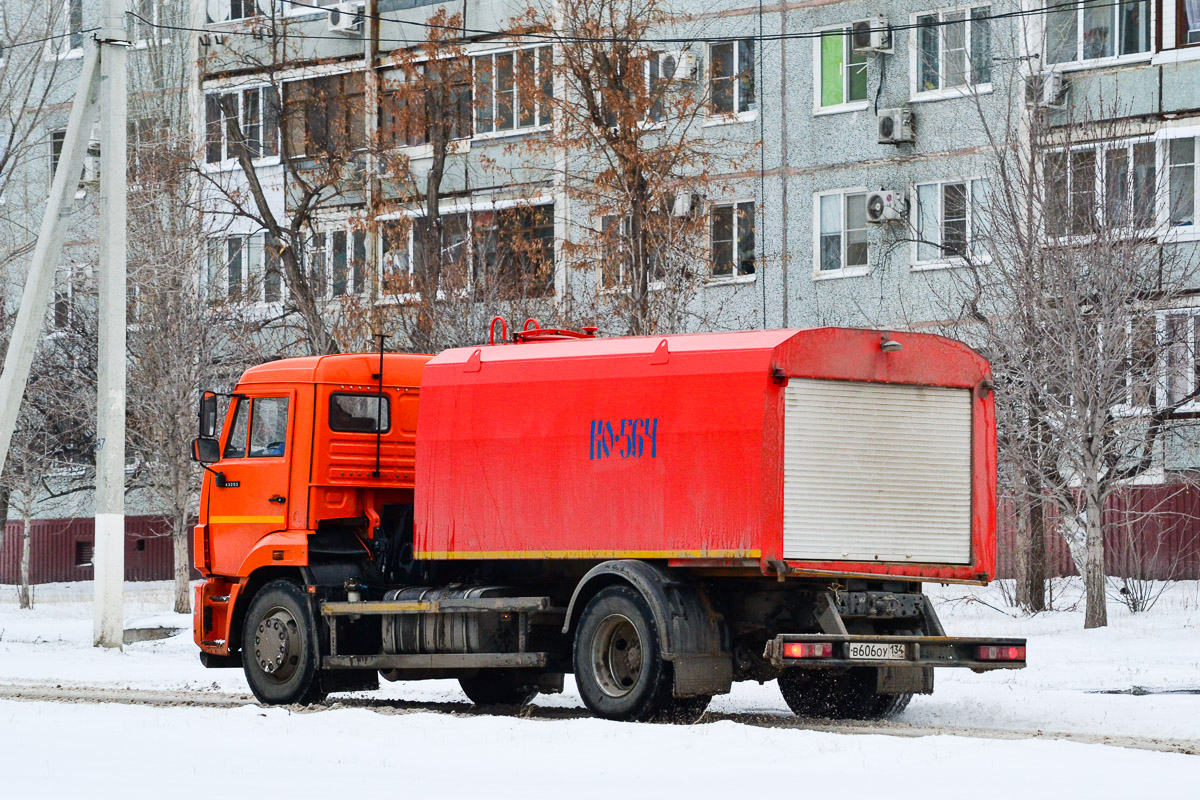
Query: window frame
{"x": 387, "y": 404}
{"x": 857, "y": 270}
{"x": 542, "y": 115}
{"x": 266, "y": 156}
{"x": 738, "y": 83}
{"x": 735, "y": 275}
{"x": 973, "y": 204}
{"x": 1185, "y": 232}
{"x": 1099, "y": 192}
{"x": 356, "y": 276}
{"x": 847, "y": 52}
{"x": 969, "y": 87}
{"x": 474, "y": 255}
{"x": 1182, "y": 28}
{"x": 1080, "y": 62}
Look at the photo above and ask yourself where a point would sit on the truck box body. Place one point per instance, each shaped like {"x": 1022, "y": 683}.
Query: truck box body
{"x": 803, "y": 451}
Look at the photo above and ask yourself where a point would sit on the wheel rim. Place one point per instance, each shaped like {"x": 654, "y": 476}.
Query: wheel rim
{"x": 617, "y": 655}
{"x": 277, "y": 645}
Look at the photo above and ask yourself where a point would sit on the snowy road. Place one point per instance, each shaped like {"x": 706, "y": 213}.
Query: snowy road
{"x": 1106, "y": 713}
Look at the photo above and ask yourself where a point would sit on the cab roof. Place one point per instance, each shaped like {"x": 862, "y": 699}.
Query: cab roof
{"x": 399, "y": 369}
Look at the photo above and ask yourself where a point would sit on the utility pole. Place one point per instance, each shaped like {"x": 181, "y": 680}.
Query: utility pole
{"x": 102, "y": 87}
{"x": 109, "y": 582}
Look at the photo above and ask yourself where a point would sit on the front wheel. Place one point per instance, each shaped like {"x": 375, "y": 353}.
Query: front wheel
{"x": 838, "y": 694}
{"x": 279, "y": 646}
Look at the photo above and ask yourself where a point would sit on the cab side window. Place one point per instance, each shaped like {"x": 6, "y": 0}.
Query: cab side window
{"x": 359, "y": 413}
{"x": 235, "y": 447}
{"x": 268, "y": 427}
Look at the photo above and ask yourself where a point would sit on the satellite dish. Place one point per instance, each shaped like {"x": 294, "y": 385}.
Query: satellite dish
{"x": 218, "y": 10}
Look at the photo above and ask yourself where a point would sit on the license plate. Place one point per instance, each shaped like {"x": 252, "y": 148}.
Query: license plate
{"x": 874, "y": 651}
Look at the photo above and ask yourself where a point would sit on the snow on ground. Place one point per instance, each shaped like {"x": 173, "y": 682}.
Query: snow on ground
{"x": 373, "y": 749}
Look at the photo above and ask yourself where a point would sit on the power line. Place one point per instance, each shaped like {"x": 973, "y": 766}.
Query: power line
{"x": 43, "y": 40}
{"x": 1067, "y": 5}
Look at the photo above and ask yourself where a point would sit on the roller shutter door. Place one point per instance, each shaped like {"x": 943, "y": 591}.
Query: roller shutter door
{"x": 876, "y": 472}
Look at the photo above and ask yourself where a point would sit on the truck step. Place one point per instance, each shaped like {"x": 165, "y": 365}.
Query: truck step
{"x": 472, "y": 605}
{"x": 437, "y": 661}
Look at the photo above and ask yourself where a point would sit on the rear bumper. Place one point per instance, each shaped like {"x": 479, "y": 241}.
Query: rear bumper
{"x": 920, "y": 651}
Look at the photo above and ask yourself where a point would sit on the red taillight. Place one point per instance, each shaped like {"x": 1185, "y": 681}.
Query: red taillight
{"x": 1004, "y": 652}
{"x": 808, "y": 650}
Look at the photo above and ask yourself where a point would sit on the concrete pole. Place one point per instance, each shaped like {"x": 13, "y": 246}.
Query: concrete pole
{"x": 109, "y": 622}
{"x": 39, "y": 283}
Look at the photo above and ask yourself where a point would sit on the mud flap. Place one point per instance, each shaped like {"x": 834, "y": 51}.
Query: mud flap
{"x": 904, "y": 680}
{"x": 700, "y": 675}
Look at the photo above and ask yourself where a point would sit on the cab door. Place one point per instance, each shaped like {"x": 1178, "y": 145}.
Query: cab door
{"x": 252, "y": 500}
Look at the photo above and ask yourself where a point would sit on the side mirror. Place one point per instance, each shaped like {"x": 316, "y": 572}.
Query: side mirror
{"x": 206, "y": 450}
{"x": 208, "y": 415}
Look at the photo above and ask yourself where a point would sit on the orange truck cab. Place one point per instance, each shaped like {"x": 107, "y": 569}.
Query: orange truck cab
{"x": 639, "y": 512}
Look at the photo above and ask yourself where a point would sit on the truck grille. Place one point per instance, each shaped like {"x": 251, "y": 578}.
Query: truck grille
{"x": 876, "y": 472}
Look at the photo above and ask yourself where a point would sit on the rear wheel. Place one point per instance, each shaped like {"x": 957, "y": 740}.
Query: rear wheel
{"x": 498, "y": 687}
{"x": 619, "y": 667}
{"x": 838, "y": 694}
{"x": 279, "y": 646}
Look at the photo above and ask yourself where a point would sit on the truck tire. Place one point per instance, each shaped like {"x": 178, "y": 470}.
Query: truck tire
{"x": 838, "y": 694}
{"x": 619, "y": 667}
{"x": 279, "y": 646}
{"x": 498, "y": 687}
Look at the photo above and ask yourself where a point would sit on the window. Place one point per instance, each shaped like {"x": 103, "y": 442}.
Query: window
{"x": 256, "y": 112}
{"x": 731, "y": 82}
{"x": 514, "y": 249}
{"x": 1113, "y": 185}
{"x": 324, "y": 116}
{"x": 843, "y": 72}
{"x": 511, "y": 90}
{"x": 84, "y": 552}
{"x": 1181, "y": 166}
{"x": 1187, "y": 22}
{"x": 616, "y": 265}
{"x": 1143, "y": 342}
{"x": 954, "y": 49}
{"x": 268, "y": 427}
{"x": 359, "y": 413}
{"x": 947, "y": 218}
{"x": 224, "y": 10}
{"x": 842, "y": 226}
{"x": 64, "y": 294}
{"x": 144, "y": 21}
{"x": 243, "y": 268}
{"x": 733, "y": 240}
{"x": 336, "y": 262}
{"x": 74, "y": 12}
{"x": 404, "y": 110}
{"x": 56, "y": 146}
{"x": 1094, "y": 29}
{"x": 235, "y": 446}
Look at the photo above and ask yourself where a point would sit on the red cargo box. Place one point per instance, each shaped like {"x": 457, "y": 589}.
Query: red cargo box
{"x": 813, "y": 451}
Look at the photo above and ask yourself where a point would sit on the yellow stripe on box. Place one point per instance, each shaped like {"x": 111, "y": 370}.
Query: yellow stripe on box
{"x": 246, "y": 520}
{"x": 471, "y": 555}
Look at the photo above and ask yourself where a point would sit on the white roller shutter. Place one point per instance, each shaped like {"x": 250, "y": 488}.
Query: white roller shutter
{"x": 876, "y": 472}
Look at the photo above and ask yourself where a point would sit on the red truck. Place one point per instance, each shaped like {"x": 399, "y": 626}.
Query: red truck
{"x": 660, "y": 516}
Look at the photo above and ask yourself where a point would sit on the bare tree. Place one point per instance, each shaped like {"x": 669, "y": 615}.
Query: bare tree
{"x": 1069, "y": 264}
{"x": 626, "y": 133}
{"x": 178, "y": 341}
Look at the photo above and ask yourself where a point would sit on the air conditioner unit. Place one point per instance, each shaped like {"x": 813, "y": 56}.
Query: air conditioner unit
{"x": 676, "y": 65}
{"x": 685, "y": 204}
{"x": 1053, "y": 90}
{"x": 894, "y": 125}
{"x": 885, "y": 206}
{"x": 346, "y": 18}
{"x": 871, "y": 36}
